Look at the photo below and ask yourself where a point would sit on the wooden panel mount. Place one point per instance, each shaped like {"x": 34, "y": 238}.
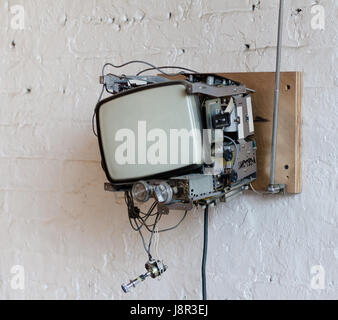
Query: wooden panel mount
{"x": 288, "y": 165}
{"x": 289, "y": 141}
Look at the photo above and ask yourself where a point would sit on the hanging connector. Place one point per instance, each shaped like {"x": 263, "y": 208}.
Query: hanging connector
{"x": 154, "y": 270}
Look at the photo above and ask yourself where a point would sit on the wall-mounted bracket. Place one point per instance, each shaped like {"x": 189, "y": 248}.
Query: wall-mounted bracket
{"x": 277, "y": 188}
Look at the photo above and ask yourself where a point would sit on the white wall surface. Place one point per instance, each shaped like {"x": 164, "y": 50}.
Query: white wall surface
{"x": 72, "y": 238}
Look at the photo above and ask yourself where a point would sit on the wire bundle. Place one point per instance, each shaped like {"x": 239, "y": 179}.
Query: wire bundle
{"x": 149, "y": 220}
{"x": 151, "y": 67}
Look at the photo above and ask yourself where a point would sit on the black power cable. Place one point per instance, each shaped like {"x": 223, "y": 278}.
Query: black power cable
{"x": 205, "y": 253}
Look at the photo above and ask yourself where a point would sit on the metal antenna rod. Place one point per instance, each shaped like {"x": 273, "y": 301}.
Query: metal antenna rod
{"x": 273, "y": 188}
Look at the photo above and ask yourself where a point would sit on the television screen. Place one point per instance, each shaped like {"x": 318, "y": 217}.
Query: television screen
{"x": 149, "y": 132}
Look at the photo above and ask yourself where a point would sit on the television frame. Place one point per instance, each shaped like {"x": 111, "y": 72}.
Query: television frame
{"x": 127, "y": 183}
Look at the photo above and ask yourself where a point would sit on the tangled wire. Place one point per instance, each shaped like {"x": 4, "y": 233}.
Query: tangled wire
{"x": 149, "y": 220}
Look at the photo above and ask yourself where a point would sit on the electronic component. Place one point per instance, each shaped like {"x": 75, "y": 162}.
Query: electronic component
{"x": 221, "y": 120}
{"x": 154, "y": 270}
{"x": 141, "y": 191}
{"x": 163, "y": 193}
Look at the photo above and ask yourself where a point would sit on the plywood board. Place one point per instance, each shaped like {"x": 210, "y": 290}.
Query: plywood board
{"x": 289, "y": 141}
{"x": 288, "y": 157}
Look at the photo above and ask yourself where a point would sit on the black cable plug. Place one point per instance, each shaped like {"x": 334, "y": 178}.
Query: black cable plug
{"x": 134, "y": 212}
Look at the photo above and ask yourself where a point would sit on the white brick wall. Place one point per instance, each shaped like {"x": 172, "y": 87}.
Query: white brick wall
{"x": 74, "y": 239}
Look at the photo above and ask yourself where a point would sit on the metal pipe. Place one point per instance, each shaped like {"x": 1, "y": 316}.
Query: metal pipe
{"x": 276, "y": 102}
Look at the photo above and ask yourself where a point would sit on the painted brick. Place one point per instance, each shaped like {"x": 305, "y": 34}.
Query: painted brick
{"x": 74, "y": 239}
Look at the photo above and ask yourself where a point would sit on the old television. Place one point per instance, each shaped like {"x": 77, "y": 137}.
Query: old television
{"x": 179, "y": 141}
